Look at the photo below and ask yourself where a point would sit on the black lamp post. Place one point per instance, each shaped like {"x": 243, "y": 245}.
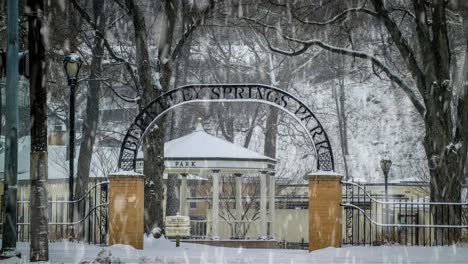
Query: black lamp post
{"x": 385, "y": 166}
{"x": 72, "y": 64}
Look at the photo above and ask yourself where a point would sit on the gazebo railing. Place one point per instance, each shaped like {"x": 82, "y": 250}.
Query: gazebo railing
{"x": 229, "y": 229}
{"x": 199, "y": 229}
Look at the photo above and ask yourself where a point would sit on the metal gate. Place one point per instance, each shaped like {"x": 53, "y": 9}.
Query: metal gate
{"x": 92, "y": 228}
{"x": 371, "y": 220}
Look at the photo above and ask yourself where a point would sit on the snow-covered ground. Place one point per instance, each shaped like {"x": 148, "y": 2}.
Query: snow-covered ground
{"x": 164, "y": 251}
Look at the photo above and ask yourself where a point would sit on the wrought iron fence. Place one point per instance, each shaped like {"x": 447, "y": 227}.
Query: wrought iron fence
{"x": 91, "y": 228}
{"x": 245, "y": 229}
{"x": 371, "y": 220}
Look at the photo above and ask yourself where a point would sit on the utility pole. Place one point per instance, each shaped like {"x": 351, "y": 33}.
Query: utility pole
{"x": 10, "y": 230}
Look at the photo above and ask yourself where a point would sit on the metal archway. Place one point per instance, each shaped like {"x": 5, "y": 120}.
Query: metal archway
{"x": 225, "y": 92}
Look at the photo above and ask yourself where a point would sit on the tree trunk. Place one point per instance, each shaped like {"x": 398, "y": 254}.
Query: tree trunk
{"x": 340, "y": 99}
{"x": 166, "y": 69}
{"x": 444, "y": 149}
{"x": 445, "y": 184}
{"x": 271, "y": 129}
{"x": 39, "y": 250}
{"x": 251, "y": 129}
{"x": 153, "y": 168}
{"x": 153, "y": 147}
{"x": 344, "y": 129}
{"x": 172, "y": 183}
{"x": 339, "y": 103}
{"x": 178, "y": 125}
{"x": 91, "y": 119}
{"x": 172, "y": 201}
{"x": 463, "y": 91}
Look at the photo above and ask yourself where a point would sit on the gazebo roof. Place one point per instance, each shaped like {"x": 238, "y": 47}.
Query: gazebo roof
{"x": 201, "y": 145}
{"x": 201, "y": 153}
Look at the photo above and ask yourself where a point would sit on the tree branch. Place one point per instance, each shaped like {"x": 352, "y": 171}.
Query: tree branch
{"x": 422, "y": 30}
{"x": 402, "y": 45}
{"x": 406, "y": 11}
{"x": 187, "y": 33}
{"x": 108, "y": 47}
{"x": 306, "y": 44}
{"x": 339, "y": 16}
{"x": 123, "y": 98}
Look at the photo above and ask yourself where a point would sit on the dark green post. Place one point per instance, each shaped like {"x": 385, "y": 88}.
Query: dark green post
{"x": 10, "y": 230}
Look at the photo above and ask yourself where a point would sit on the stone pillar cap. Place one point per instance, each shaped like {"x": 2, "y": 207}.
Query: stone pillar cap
{"x": 123, "y": 173}
{"x": 322, "y": 173}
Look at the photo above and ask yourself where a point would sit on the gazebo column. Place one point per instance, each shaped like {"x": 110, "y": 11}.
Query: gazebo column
{"x": 272, "y": 190}
{"x": 183, "y": 195}
{"x": 239, "y": 208}
{"x": 263, "y": 201}
{"x": 215, "y": 211}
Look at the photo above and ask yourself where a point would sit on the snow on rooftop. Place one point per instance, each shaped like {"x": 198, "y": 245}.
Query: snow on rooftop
{"x": 359, "y": 180}
{"x": 411, "y": 179}
{"x": 126, "y": 173}
{"x": 57, "y": 161}
{"x": 322, "y": 173}
{"x": 201, "y": 145}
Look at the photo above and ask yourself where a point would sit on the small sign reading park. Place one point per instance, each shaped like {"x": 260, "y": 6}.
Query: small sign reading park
{"x": 185, "y": 164}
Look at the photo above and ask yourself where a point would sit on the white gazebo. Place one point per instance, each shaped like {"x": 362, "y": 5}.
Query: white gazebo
{"x": 200, "y": 153}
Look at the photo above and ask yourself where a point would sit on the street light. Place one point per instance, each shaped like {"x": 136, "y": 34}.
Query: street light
{"x": 72, "y": 65}
{"x": 385, "y": 166}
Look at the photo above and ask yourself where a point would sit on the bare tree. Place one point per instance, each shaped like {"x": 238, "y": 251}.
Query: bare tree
{"x": 153, "y": 147}
{"x": 428, "y": 63}
{"x": 170, "y": 45}
{"x": 91, "y": 118}
{"x": 39, "y": 246}
{"x": 250, "y": 213}
{"x": 340, "y": 99}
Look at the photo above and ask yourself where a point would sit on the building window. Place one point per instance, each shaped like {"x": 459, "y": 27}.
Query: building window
{"x": 407, "y": 219}
{"x": 193, "y": 195}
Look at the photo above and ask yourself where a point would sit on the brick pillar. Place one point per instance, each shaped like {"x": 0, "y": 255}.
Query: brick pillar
{"x": 324, "y": 210}
{"x": 126, "y": 209}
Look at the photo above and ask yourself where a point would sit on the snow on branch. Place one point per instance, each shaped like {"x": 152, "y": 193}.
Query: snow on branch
{"x": 187, "y": 33}
{"x": 122, "y": 97}
{"x": 339, "y": 16}
{"x": 306, "y": 44}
